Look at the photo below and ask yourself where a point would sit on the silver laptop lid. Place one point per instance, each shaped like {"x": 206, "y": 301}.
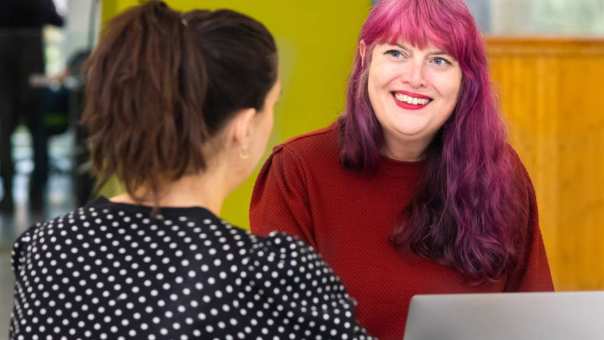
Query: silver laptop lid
{"x": 509, "y": 316}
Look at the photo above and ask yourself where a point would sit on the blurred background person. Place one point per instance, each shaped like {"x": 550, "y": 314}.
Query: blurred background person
{"x": 21, "y": 60}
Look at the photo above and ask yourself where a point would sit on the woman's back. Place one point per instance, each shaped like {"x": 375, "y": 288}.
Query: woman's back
{"x": 112, "y": 271}
{"x": 179, "y": 110}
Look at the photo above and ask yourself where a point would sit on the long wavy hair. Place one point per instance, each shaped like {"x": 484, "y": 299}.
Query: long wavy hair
{"x": 466, "y": 211}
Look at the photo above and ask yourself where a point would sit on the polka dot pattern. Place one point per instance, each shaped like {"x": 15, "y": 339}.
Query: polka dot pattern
{"x": 116, "y": 271}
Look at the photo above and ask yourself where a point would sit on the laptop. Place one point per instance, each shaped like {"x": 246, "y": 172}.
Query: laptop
{"x": 508, "y": 316}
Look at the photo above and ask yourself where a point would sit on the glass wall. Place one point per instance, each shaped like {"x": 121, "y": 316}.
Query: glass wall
{"x": 81, "y": 17}
{"x": 540, "y": 17}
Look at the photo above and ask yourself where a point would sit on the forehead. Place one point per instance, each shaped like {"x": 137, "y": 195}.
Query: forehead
{"x": 428, "y": 46}
{"x": 419, "y": 24}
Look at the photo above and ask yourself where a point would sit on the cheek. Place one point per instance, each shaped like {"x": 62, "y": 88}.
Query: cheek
{"x": 382, "y": 75}
{"x": 455, "y": 84}
{"x": 266, "y": 128}
{"x": 448, "y": 87}
{"x": 272, "y": 121}
{"x": 379, "y": 86}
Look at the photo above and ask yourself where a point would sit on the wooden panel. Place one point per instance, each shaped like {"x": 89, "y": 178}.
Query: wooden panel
{"x": 551, "y": 94}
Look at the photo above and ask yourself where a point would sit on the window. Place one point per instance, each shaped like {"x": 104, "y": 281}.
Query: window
{"x": 539, "y": 17}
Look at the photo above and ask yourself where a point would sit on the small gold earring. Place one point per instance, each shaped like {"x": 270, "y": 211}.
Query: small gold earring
{"x": 243, "y": 153}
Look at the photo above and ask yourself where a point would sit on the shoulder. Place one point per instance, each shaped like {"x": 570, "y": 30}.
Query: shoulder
{"x": 284, "y": 246}
{"x": 318, "y": 149}
{"x": 517, "y": 169}
{"x": 325, "y": 140}
{"x": 291, "y": 279}
{"x": 41, "y": 235}
{"x": 61, "y": 224}
{"x": 279, "y": 246}
{"x": 522, "y": 200}
{"x": 291, "y": 260}
{"x": 512, "y": 155}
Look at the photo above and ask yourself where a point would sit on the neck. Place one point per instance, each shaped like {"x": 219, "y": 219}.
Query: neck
{"x": 207, "y": 190}
{"x": 411, "y": 151}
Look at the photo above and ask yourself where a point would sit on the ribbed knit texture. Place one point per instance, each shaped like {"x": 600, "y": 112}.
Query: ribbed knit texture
{"x": 349, "y": 216}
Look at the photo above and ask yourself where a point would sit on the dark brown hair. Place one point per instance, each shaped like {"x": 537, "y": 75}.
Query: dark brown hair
{"x": 161, "y": 83}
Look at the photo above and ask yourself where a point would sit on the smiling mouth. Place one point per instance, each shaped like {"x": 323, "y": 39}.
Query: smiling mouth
{"x": 408, "y": 101}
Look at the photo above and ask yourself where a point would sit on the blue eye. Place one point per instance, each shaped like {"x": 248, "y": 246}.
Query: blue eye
{"x": 441, "y": 61}
{"x": 394, "y": 53}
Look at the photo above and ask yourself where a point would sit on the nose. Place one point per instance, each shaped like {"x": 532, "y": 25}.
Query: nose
{"x": 414, "y": 74}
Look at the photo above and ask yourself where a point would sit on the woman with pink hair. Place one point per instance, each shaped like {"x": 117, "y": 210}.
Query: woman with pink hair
{"x": 414, "y": 190}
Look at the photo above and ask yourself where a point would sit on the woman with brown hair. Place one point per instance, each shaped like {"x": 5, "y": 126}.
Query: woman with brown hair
{"x": 179, "y": 108}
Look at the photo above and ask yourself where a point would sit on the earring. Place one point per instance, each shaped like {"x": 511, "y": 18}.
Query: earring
{"x": 244, "y": 153}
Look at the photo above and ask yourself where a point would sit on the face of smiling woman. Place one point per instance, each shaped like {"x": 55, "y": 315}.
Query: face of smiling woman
{"x": 413, "y": 92}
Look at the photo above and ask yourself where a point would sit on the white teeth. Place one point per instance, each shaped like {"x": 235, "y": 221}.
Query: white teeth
{"x": 411, "y": 100}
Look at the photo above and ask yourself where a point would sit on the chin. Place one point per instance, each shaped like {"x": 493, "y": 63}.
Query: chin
{"x": 411, "y": 134}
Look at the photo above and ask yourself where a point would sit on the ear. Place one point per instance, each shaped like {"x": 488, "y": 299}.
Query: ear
{"x": 362, "y": 51}
{"x": 241, "y": 128}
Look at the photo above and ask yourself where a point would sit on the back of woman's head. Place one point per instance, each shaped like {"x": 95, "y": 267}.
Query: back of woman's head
{"x": 466, "y": 211}
{"x": 162, "y": 83}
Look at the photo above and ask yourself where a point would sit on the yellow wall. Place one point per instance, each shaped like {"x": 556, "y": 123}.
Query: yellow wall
{"x": 316, "y": 42}
{"x": 551, "y": 94}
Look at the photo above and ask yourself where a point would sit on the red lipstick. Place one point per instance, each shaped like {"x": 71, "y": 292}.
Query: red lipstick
{"x": 409, "y": 106}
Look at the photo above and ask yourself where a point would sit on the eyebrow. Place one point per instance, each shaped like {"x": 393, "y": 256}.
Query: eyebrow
{"x": 436, "y": 52}
{"x": 439, "y": 52}
{"x": 403, "y": 47}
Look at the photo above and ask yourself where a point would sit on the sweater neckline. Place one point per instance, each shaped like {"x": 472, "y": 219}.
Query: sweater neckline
{"x": 395, "y": 168}
{"x": 104, "y": 202}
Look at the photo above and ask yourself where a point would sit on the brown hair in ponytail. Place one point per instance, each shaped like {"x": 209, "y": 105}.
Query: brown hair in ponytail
{"x": 161, "y": 83}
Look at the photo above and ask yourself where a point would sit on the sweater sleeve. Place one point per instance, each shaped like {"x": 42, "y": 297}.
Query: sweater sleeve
{"x": 279, "y": 200}
{"x": 299, "y": 291}
{"x": 533, "y": 272}
{"x": 18, "y": 263}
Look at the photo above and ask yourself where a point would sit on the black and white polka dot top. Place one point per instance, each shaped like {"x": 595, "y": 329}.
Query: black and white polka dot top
{"x": 115, "y": 271}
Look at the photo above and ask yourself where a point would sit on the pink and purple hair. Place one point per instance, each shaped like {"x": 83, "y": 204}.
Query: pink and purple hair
{"x": 466, "y": 210}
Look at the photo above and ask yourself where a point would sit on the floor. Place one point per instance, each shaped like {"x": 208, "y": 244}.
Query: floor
{"x": 59, "y": 200}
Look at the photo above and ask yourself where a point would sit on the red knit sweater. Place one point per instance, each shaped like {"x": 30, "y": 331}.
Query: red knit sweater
{"x": 348, "y": 217}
